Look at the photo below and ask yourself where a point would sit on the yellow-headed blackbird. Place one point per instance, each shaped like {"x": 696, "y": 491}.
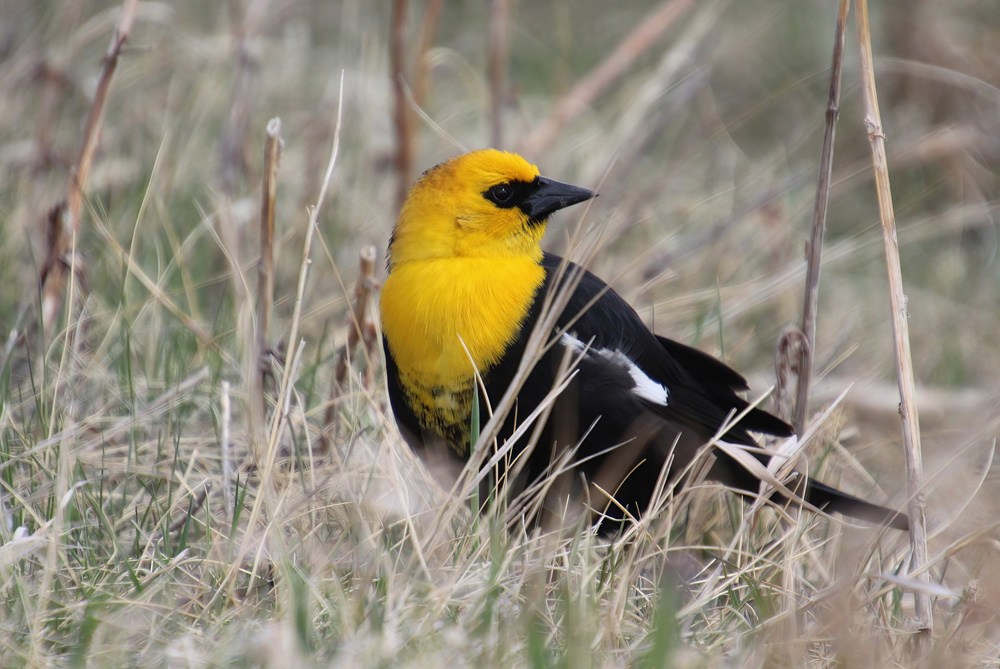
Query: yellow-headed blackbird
{"x": 467, "y": 281}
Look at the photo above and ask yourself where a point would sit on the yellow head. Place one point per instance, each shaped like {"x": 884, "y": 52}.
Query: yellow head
{"x": 482, "y": 204}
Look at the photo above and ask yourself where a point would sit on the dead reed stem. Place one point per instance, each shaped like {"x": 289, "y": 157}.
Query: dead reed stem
{"x": 789, "y": 359}
{"x": 497, "y": 57}
{"x": 815, "y": 251}
{"x": 585, "y": 91}
{"x": 67, "y": 220}
{"x": 360, "y": 329}
{"x": 402, "y": 116}
{"x": 900, "y": 332}
{"x": 265, "y": 269}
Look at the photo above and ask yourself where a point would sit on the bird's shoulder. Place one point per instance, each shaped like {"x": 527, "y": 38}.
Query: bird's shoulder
{"x": 697, "y": 386}
{"x": 597, "y": 315}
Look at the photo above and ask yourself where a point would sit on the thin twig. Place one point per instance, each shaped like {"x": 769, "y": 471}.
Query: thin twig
{"x": 815, "y": 250}
{"x": 585, "y": 91}
{"x": 900, "y": 330}
{"x": 67, "y": 221}
{"x": 194, "y": 508}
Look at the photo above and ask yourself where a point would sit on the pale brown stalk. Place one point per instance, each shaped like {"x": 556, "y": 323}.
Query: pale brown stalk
{"x": 900, "y": 330}
{"x": 265, "y": 269}
{"x": 789, "y": 359}
{"x": 401, "y": 114}
{"x": 585, "y": 91}
{"x": 360, "y": 329}
{"x": 815, "y": 250}
{"x": 66, "y": 218}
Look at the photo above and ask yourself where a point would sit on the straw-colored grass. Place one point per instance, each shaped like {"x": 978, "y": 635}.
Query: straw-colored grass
{"x": 149, "y": 518}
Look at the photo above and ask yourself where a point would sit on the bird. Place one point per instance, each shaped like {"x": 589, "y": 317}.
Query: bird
{"x": 467, "y": 282}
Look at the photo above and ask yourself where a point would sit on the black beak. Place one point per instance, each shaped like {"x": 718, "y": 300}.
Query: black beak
{"x": 552, "y": 196}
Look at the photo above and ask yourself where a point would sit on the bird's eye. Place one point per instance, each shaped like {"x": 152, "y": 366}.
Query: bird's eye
{"x": 500, "y": 194}
{"x": 510, "y": 193}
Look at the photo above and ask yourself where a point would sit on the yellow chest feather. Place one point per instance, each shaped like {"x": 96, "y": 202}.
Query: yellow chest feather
{"x": 431, "y": 307}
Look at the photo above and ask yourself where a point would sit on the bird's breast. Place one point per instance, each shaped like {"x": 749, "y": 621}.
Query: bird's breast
{"x": 446, "y": 318}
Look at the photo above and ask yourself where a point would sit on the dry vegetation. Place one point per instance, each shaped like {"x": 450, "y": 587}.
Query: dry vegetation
{"x": 153, "y": 515}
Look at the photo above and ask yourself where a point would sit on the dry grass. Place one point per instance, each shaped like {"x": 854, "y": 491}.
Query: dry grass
{"x": 148, "y": 520}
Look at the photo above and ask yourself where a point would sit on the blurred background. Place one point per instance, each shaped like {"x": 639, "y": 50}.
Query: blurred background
{"x": 700, "y": 124}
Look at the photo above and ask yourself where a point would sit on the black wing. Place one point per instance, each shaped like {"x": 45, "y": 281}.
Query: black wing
{"x": 701, "y": 396}
{"x": 701, "y": 389}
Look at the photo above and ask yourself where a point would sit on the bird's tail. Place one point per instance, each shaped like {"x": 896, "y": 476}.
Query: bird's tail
{"x": 830, "y": 499}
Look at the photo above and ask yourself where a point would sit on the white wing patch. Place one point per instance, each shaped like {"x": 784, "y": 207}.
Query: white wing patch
{"x": 645, "y": 387}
